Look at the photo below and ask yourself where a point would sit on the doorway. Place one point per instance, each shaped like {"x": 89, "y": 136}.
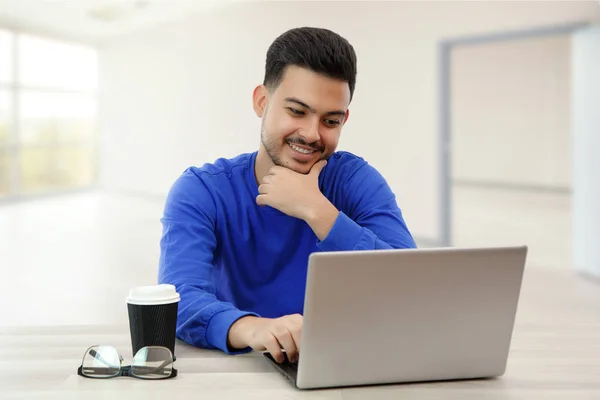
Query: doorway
{"x": 506, "y": 142}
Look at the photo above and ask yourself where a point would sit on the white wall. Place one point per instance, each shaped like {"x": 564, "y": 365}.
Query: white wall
{"x": 180, "y": 94}
{"x": 511, "y": 112}
{"x": 586, "y": 145}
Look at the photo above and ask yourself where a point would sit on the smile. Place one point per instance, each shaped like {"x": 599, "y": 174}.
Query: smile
{"x": 300, "y": 149}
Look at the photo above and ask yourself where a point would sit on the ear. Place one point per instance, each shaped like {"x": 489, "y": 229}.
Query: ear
{"x": 346, "y": 117}
{"x": 260, "y": 98}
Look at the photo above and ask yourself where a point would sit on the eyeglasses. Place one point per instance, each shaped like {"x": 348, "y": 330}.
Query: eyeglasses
{"x": 151, "y": 362}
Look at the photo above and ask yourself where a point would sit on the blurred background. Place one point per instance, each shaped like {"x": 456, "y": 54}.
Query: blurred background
{"x": 471, "y": 110}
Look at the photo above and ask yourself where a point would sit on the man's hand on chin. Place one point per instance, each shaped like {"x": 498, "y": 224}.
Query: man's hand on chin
{"x": 298, "y": 195}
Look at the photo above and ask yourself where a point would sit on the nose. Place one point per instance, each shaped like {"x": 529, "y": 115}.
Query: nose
{"x": 311, "y": 132}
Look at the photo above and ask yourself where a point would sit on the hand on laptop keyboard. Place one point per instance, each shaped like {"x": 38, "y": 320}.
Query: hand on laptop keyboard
{"x": 293, "y": 364}
{"x": 286, "y": 362}
{"x": 274, "y": 335}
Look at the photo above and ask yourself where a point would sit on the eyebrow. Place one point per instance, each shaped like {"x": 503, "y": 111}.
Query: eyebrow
{"x": 303, "y": 104}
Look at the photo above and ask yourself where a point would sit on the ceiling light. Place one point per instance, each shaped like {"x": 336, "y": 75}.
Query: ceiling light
{"x": 116, "y": 10}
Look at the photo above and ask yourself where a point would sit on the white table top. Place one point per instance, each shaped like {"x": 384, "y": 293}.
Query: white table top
{"x": 555, "y": 354}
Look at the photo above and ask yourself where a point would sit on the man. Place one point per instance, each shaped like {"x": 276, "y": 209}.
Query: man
{"x": 237, "y": 233}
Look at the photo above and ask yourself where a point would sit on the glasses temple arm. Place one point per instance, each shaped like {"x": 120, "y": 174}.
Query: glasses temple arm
{"x": 98, "y": 357}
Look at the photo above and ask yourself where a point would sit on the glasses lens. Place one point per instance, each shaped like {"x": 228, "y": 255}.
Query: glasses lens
{"x": 152, "y": 363}
{"x": 101, "y": 362}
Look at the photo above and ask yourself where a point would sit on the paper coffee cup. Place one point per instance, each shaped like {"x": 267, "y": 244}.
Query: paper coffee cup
{"x": 153, "y": 316}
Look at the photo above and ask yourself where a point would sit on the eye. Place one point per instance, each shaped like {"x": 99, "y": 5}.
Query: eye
{"x": 332, "y": 122}
{"x": 295, "y": 111}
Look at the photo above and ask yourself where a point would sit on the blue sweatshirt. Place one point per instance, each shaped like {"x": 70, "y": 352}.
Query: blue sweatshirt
{"x": 229, "y": 257}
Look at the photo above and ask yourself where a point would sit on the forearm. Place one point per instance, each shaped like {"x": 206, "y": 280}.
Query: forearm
{"x": 236, "y": 336}
{"x": 347, "y": 234}
{"x": 204, "y": 321}
{"x": 322, "y": 217}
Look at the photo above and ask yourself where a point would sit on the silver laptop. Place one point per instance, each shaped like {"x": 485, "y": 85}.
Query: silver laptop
{"x": 411, "y": 315}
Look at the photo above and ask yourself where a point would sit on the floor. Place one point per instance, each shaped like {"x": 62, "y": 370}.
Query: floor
{"x": 71, "y": 260}
{"x": 79, "y": 253}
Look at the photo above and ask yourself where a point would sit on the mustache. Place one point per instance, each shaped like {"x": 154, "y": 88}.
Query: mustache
{"x": 304, "y": 143}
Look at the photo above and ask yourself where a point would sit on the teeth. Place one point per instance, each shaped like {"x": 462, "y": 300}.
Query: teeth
{"x": 300, "y": 149}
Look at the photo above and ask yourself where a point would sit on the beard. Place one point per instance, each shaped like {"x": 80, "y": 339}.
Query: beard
{"x": 273, "y": 150}
{"x": 270, "y": 146}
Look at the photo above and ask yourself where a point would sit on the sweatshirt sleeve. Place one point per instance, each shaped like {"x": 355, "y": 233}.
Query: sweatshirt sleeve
{"x": 369, "y": 218}
{"x": 187, "y": 247}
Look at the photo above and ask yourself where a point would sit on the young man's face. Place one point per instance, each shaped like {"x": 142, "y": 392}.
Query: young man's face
{"x": 302, "y": 118}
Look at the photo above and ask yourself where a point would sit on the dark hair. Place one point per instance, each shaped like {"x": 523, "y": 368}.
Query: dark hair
{"x": 317, "y": 49}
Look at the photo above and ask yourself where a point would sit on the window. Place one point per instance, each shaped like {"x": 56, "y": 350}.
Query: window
{"x": 6, "y": 51}
{"x": 48, "y": 111}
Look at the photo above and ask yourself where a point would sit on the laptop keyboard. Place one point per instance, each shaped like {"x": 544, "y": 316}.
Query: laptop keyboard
{"x": 286, "y": 361}
{"x": 286, "y": 368}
